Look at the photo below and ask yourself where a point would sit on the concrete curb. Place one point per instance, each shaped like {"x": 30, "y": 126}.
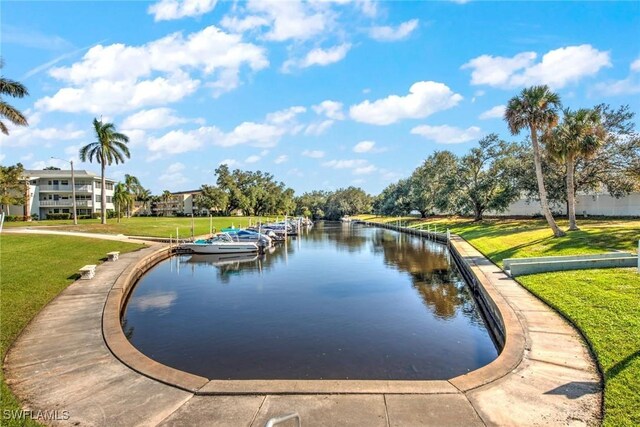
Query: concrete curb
{"x": 502, "y": 320}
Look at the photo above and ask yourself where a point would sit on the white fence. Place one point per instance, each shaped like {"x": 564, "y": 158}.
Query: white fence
{"x": 586, "y": 205}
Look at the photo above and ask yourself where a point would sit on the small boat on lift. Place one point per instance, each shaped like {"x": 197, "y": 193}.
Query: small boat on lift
{"x": 221, "y": 244}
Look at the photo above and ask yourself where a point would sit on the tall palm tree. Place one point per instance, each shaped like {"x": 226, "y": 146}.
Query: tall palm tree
{"x": 110, "y": 147}
{"x": 132, "y": 184}
{"x": 13, "y": 89}
{"x": 144, "y": 196}
{"x": 165, "y": 197}
{"x": 536, "y": 109}
{"x": 581, "y": 134}
{"x": 121, "y": 198}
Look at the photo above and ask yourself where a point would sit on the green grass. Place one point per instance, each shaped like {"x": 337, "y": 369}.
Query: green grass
{"x": 604, "y": 304}
{"x": 145, "y": 226}
{"x": 33, "y": 270}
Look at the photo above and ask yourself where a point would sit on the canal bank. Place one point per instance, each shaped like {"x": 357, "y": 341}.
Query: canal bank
{"x": 61, "y": 362}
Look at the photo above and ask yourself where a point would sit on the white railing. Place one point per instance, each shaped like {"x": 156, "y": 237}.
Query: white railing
{"x": 79, "y": 187}
{"x": 68, "y": 202}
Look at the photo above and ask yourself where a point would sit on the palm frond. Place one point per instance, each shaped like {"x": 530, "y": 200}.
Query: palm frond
{"x": 3, "y": 128}
{"x": 13, "y": 88}
{"x": 12, "y": 114}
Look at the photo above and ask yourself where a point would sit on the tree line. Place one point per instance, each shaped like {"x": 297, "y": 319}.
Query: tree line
{"x": 566, "y": 152}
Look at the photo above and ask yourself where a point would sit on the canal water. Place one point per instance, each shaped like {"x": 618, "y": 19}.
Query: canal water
{"x": 341, "y": 301}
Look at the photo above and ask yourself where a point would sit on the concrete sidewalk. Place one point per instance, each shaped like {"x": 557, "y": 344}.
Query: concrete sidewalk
{"x": 60, "y": 362}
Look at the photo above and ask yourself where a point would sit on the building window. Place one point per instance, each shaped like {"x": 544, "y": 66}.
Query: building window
{"x": 108, "y": 199}
{"x": 64, "y": 182}
{"x": 109, "y": 186}
{"x": 97, "y": 197}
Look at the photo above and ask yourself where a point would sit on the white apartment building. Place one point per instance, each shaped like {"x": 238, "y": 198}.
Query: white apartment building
{"x": 50, "y": 192}
{"x": 181, "y": 202}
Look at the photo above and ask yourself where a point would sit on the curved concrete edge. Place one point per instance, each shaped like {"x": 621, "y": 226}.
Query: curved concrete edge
{"x": 495, "y": 306}
{"x": 508, "y": 359}
{"x": 118, "y": 343}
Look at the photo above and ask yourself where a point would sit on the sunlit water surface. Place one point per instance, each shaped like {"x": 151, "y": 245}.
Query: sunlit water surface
{"x": 339, "y": 302}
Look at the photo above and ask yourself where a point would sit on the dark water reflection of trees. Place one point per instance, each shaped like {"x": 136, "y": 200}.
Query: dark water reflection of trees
{"x": 433, "y": 273}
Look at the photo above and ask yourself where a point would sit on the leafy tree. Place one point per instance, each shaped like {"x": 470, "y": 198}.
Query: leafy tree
{"x": 121, "y": 198}
{"x": 395, "y": 199}
{"x": 347, "y": 201}
{"x": 12, "y": 186}
{"x": 212, "y": 198}
{"x": 13, "y": 89}
{"x": 110, "y": 147}
{"x": 580, "y": 135}
{"x": 485, "y": 179}
{"x": 312, "y": 204}
{"x": 536, "y": 109}
{"x": 144, "y": 195}
{"x": 133, "y": 186}
{"x": 165, "y": 198}
{"x": 428, "y": 183}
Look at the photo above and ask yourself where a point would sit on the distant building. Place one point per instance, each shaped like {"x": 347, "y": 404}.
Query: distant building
{"x": 50, "y": 192}
{"x": 180, "y": 203}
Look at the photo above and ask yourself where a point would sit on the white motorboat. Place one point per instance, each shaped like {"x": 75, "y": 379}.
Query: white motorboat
{"x": 220, "y": 244}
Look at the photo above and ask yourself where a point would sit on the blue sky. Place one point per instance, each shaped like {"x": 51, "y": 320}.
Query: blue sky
{"x": 320, "y": 94}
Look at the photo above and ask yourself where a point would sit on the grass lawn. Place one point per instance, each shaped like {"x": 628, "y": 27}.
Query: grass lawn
{"x": 145, "y": 226}
{"x": 33, "y": 270}
{"x": 604, "y": 304}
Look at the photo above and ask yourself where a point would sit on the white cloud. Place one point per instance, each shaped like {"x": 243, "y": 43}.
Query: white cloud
{"x": 447, "y": 134}
{"x": 496, "y": 112}
{"x": 166, "y": 10}
{"x": 314, "y": 154}
{"x": 254, "y": 134}
{"x": 173, "y": 176}
{"x": 180, "y": 141}
{"x": 364, "y": 146}
{"x": 318, "y": 128}
{"x": 357, "y": 166}
{"x": 291, "y": 20}
{"x": 557, "y": 68}
{"x": 252, "y": 159}
{"x": 240, "y": 25}
{"x": 318, "y": 56}
{"x": 117, "y": 77}
{"x": 25, "y": 136}
{"x": 387, "y": 34}
{"x": 156, "y": 118}
{"x": 285, "y": 116}
{"x": 635, "y": 66}
{"x": 229, "y": 162}
{"x": 281, "y": 159}
{"x": 330, "y": 109}
{"x": 424, "y": 99}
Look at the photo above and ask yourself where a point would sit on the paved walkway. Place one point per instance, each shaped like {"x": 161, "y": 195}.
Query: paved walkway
{"x": 60, "y": 362}
{"x": 44, "y": 230}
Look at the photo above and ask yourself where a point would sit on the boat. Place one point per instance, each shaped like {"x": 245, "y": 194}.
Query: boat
{"x": 261, "y": 239}
{"x": 222, "y": 259}
{"x": 220, "y": 244}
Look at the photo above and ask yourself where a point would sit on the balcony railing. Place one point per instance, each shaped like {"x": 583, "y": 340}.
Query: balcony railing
{"x": 68, "y": 202}
{"x": 79, "y": 187}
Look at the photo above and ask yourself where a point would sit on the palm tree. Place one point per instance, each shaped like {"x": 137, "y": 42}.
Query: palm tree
{"x": 13, "y": 89}
{"x": 110, "y": 147}
{"x": 581, "y": 134}
{"x": 535, "y": 108}
{"x": 166, "y": 196}
{"x": 132, "y": 184}
{"x": 121, "y": 198}
{"x": 144, "y": 196}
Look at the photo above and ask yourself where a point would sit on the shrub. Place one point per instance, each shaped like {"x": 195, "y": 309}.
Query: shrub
{"x": 84, "y": 216}
{"x": 95, "y": 215}
{"x": 35, "y": 217}
{"x": 58, "y": 216}
{"x": 111, "y": 213}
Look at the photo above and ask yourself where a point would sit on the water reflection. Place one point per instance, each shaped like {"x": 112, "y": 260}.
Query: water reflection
{"x": 338, "y": 301}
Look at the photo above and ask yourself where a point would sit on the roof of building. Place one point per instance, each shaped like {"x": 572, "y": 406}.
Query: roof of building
{"x": 65, "y": 173}
{"x": 177, "y": 193}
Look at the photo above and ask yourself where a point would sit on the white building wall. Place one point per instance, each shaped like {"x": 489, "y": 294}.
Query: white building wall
{"x": 589, "y": 205}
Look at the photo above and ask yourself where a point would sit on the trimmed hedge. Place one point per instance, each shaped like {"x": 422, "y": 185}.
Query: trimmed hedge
{"x": 59, "y": 216}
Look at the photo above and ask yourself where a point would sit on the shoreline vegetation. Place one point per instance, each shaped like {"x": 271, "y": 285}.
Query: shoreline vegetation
{"x": 603, "y": 304}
